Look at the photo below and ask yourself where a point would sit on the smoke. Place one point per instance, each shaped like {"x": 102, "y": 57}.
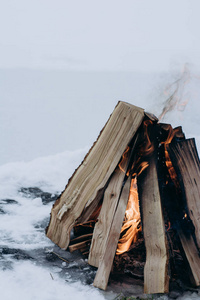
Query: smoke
{"x": 177, "y": 93}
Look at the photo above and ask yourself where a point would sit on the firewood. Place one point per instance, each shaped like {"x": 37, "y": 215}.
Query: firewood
{"x": 108, "y": 210}
{"x": 88, "y": 182}
{"x": 192, "y": 256}
{"x": 106, "y": 260}
{"x": 81, "y": 238}
{"x": 133, "y": 146}
{"x": 187, "y": 166}
{"x": 78, "y": 246}
{"x": 180, "y": 231}
{"x": 156, "y": 279}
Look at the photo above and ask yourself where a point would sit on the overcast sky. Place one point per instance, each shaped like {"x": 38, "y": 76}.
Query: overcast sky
{"x": 133, "y": 35}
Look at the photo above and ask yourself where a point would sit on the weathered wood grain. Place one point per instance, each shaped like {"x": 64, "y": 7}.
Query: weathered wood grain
{"x": 104, "y": 223}
{"x": 186, "y": 163}
{"x": 192, "y": 256}
{"x": 156, "y": 279}
{"x": 106, "y": 259}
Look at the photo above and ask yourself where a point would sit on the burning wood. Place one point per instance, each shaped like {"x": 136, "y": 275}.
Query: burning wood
{"x": 131, "y": 225}
{"x": 131, "y": 186}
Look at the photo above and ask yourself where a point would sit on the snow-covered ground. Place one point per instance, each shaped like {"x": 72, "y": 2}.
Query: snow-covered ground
{"x": 48, "y": 122}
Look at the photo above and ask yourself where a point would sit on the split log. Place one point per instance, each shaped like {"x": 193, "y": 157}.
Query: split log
{"x": 78, "y": 246}
{"x": 156, "y": 279}
{"x": 81, "y": 238}
{"x": 105, "y": 219}
{"x": 88, "y": 182}
{"x": 81, "y": 243}
{"x": 106, "y": 259}
{"x": 175, "y": 210}
{"x": 186, "y": 163}
{"x": 192, "y": 255}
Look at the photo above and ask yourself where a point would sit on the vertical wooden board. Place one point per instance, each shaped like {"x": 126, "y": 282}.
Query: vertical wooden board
{"x": 106, "y": 259}
{"x": 186, "y": 162}
{"x": 105, "y": 219}
{"x": 94, "y": 172}
{"x": 192, "y": 255}
{"x": 156, "y": 279}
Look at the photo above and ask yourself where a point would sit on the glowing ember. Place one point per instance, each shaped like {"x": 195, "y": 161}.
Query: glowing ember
{"x": 131, "y": 226}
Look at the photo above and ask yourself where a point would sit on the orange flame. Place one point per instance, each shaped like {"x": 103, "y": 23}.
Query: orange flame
{"x": 131, "y": 222}
{"x": 170, "y": 167}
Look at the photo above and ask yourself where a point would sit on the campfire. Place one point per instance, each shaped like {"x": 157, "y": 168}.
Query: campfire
{"x": 137, "y": 188}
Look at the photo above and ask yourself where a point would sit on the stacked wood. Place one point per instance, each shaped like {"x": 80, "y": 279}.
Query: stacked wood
{"x": 95, "y": 199}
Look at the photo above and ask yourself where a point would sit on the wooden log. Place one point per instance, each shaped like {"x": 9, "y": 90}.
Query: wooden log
{"x": 175, "y": 209}
{"x": 156, "y": 279}
{"x": 192, "y": 255}
{"x": 104, "y": 223}
{"x": 106, "y": 260}
{"x": 81, "y": 238}
{"x": 89, "y": 180}
{"x": 78, "y": 246}
{"x": 186, "y": 163}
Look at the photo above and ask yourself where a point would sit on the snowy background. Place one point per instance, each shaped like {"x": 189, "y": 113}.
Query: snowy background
{"x": 63, "y": 67}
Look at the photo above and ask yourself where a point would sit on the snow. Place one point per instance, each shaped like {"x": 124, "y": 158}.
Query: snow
{"x": 31, "y": 282}
{"x": 27, "y": 161}
{"x": 19, "y": 230}
{"x": 50, "y": 174}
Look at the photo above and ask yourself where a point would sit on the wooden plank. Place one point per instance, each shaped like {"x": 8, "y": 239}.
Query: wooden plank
{"x": 175, "y": 208}
{"x": 93, "y": 174}
{"x": 156, "y": 279}
{"x": 186, "y": 163}
{"x": 192, "y": 255}
{"x": 104, "y": 223}
{"x": 106, "y": 260}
